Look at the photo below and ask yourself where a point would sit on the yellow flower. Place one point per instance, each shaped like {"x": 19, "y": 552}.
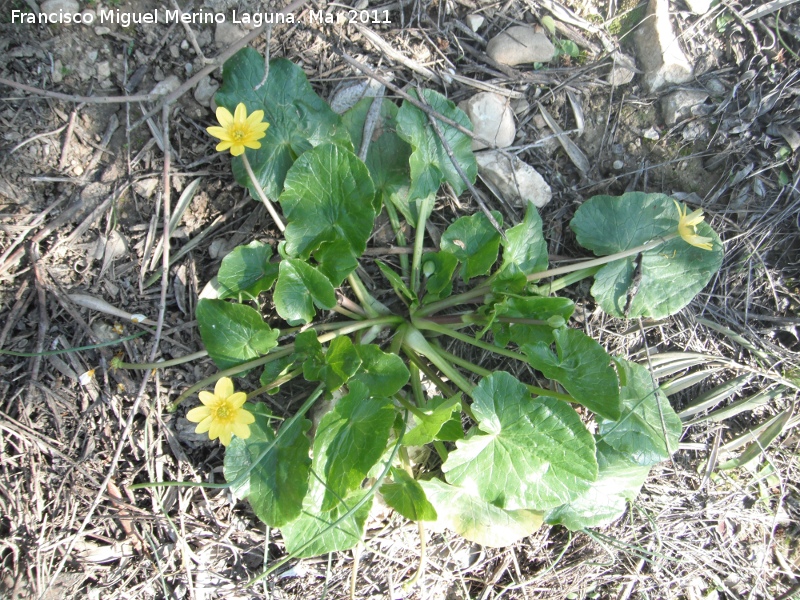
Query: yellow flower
{"x": 687, "y": 227}
{"x": 238, "y": 131}
{"x": 222, "y": 414}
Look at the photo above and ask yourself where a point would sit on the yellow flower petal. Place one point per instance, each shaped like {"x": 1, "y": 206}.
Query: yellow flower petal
{"x": 237, "y": 150}
{"x": 687, "y": 223}
{"x": 224, "y": 388}
{"x": 224, "y": 117}
{"x": 219, "y": 132}
{"x": 240, "y": 114}
{"x": 207, "y": 398}
{"x": 214, "y": 429}
{"x": 240, "y": 430}
{"x": 198, "y": 413}
{"x": 204, "y": 425}
{"x": 252, "y": 144}
{"x": 235, "y": 401}
{"x": 225, "y": 437}
{"x": 245, "y": 418}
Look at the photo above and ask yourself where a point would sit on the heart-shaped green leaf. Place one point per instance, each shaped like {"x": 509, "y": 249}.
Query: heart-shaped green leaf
{"x": 510, "y": 313}
{"x": 618, "y": 480}
{"x": 648, "y": 429}
{"x": 300, "y": 286}
{"x": 582, "y": 366}
{"x": 429, "y": 162}
{"x": 327, "y": 197}
{"x": 233, "y": 333}
{"x": 384, "y": 374}
{"x": 350, "y": 440}
{"x": 474, "y": 242}
{"x": 247, "y": 270}
{"x": 524, "y": 453}
{"x": 475, "y": 519}
{"x": 405, "y": 495}
{"x": 433, "y": 415}
{"x": 657, "y": 283}
{"x": 298, "y": 118}
{"x": 278, "y": 481}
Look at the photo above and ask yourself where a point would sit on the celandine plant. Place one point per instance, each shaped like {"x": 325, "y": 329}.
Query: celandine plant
{"x": 507, "y": 455}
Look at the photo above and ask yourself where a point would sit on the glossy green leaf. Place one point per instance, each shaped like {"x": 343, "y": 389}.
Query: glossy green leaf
{"x": 275, "y": 369}
{"x": 539, "y": 308}
{"x": 666, "y": 278}
{"x": 648, "y": 429}
{"x": 398, "y": 285}
{"x": 387, "y": 157}
{"x": 525, "y": 245}
{"x": 434, "y": 414}
{"x": 350, "y": 440}
{"x": 475, "y": 519}
{"x": 279, "y": 480}
{"x": 474, "y": 242}
{"x": 335, "y": 261}
{"x": 247, "y": 270}
{"x": 383, "y": 373}
{"x": 317, "y": 531}
{"x": 310, "y": 355}
{"x": 439, "y": 284}
{"x": 233, "y": 333}
{"x": 405, "y": 495}
{"x": 300, "y": 286}
{"x": 429, "y": 162}
{"x": 618, "y": 481}
{"x": 327, "y": 197}
{"x": 582, "y": 366}
{"x": 238, "y": 457}
{"x": 298, "y": 118}
{"x": 342, "y": 362}
{"x": 524, "y": 453}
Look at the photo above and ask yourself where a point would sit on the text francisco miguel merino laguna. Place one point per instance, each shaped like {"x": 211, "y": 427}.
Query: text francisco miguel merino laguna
{"x": 126, "y": 19}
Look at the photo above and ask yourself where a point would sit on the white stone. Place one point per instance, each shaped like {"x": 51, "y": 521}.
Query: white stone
{"x": 651, "y": 134}
{"x": 492, "y": 119}
{"x": 622, "y": 69}
{"x": 474, "y": 22}
{"x": 519, "y": 45}
{"x": 60, "y": 6}
{"x": 678, "y": 105}
{"x": 103, "y": 70}
{"x": 146, "y": 187}
{"x": 618, "y": 165}
{"x": 658, "y": 49}
{"x": 699, "y": 7}
{"x": 516, "y": 181}
{"x": 227, "y": 34}
{"x": 204, "y": 91}
{"x": 168, "y": 85}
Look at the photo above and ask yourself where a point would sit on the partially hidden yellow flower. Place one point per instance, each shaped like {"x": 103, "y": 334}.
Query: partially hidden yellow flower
{"x": 222, "y": 414}
{"x": 687, "y": 227}
{"x": 238, "y": 131}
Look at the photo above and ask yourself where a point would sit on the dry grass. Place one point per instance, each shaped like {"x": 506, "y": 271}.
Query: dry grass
{"x": 81, "y": 212}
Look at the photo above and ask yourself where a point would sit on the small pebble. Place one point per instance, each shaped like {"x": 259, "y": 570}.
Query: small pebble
{"x": 618, "y": 165}
{"x": 184, "y": 45}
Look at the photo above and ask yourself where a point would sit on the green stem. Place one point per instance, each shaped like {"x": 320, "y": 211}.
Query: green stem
{"x": 371, "y": 306}
{"x": 539, "y": 391}
{"x": 346, "y": 329}
{"x": 559, "y": 284}
{"x": 482, "y": 290}
{"x": 78, "y": 349}
{"x": 270, "y": 207}
{"x": 159, "y": 365}
{"x": 394, "y": 220}
{"x": 425, "y": 209}
{"x": 416, "y": 360}
{"x": 278, "y": 382}
{"x": 415, "y": 341}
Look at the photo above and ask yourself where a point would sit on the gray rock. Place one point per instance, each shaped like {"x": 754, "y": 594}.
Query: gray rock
{"x": 519, "y": 45}
{"x": 474, "y": 22}
{"x": 622, "y": 69}
{"x": 204, "y": 91}
{"x": 226, "y": 34}
{"x": 517, "y": 182}
{"x": 699, "y": 7}
{"x": 168, "y": 85}
{"x": 60, "y": 6}
{"x": 658, "y": 49}
{"x": 651, "y": 134}
{"x": 492, "y": 119}
{"x": 103, "y": 70}
{"x": 678, "y": 105}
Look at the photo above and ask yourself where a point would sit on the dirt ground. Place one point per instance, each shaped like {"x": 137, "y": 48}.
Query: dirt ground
{"x": 81, "y": 216}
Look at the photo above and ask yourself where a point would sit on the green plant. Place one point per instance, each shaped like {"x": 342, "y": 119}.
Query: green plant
{"x": 527, "y": 456}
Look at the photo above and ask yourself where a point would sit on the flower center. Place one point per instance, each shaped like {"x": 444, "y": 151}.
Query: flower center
{"x": 238, "y": 135}
{"x": 223, "y": 412}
